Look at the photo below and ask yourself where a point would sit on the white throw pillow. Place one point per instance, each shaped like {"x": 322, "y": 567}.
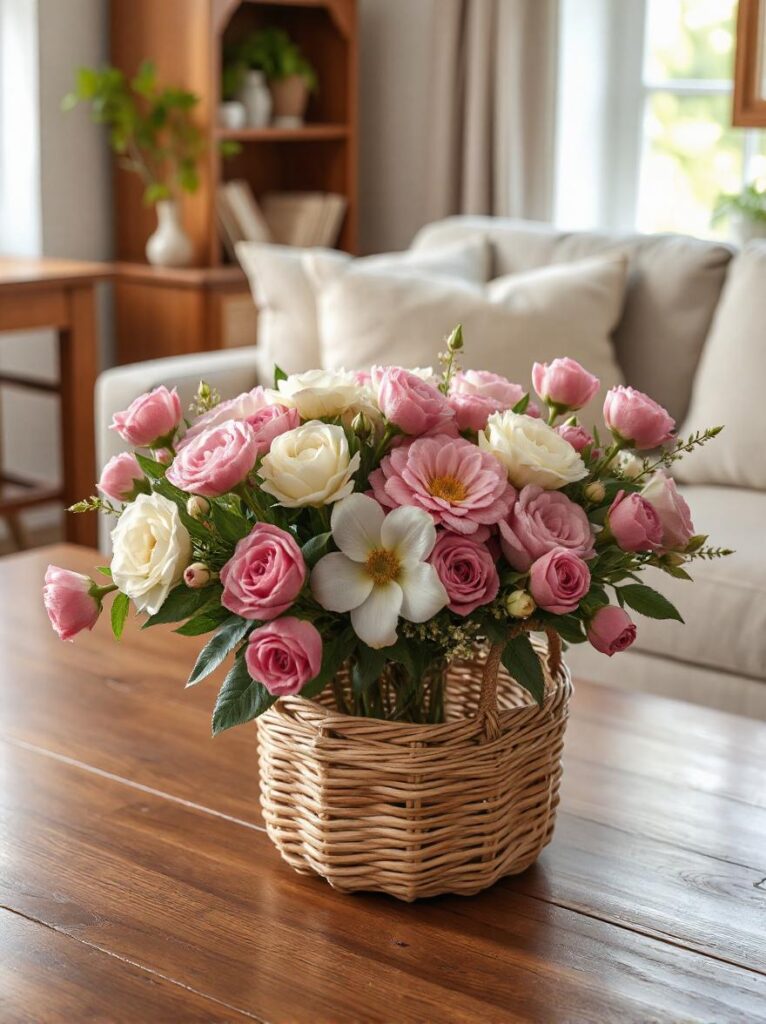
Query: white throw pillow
{"x": 563, "y": 310}
{"x": 283, "y": 279}
{"x": 730, "y": 383}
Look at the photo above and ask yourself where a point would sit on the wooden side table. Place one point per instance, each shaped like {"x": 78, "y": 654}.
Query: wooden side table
{"x": 167, "y": 311}
{"x": 61, "y": 294}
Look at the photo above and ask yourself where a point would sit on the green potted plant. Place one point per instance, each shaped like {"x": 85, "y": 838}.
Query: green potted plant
{"x": 152, "y": 130}
{"x": 746, "y": 211}
{"x": 290, "y": 75}
{"x": 232, "y": 112}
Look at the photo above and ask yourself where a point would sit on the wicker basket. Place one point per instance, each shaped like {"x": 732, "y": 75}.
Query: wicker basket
{"x": 418, "y": 810}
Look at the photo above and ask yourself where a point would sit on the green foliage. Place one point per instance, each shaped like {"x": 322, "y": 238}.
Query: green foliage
{"x": 240, "y": 699}
{"x": 315, "y": 548}
{"x": 120, "y": 608}
{"x": 521, "y": 662}
{"x": 647, "y": 601}
{"x": 224, "y": 640}
{"x": 182, "y": 602}
{"x": 206, "y": 621}
{"x": 272, "y": 51}
{"x": 151, "y": 127}
{"x": 750, "y": 203}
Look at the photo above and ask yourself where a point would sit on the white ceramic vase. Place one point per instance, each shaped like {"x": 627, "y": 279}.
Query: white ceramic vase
{"x": 745, "y": 230}
{"x": 169, "y": 246}
{"x": 257, "y": 99}
{"x": 232, "y": 115}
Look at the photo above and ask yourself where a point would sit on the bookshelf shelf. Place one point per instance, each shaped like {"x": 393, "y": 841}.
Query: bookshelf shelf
{"x": 307, "y": 133}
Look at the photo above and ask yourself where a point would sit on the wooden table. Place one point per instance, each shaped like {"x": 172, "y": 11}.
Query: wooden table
{"x": 138, "y": 884}
{"x": 54, "y": 293}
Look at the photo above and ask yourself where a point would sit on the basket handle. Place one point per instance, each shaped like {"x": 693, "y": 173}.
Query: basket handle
{"x": 488, "y": 693}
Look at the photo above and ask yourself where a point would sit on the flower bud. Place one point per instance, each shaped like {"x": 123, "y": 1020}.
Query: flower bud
{"x": 519, "y": 604}
{"x": 362, "y": 426}
{"x": 163, "y": 455}
{"x": 673, "y": 558}
{"x": 197, "y": 507}
{"x": 595, "y": 492}
{"x": 455, "y": 340}
{"x": 197, "y": 575}
{"x": 629, "y": 465}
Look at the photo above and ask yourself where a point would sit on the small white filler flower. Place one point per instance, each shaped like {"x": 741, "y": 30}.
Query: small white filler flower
{"x": 380, "y": 571}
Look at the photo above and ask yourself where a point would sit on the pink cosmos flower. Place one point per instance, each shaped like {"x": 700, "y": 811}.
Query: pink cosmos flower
{"x": 637, "y": 419}
{"x": 285, "y": 655}
{"x": 541, "y": 520}
{"x": 611, "y": 630}
{"x": 149, "y": 417}
{"x": 215, "y": 461}
{"x": 121, "y": 477}
{"x": 559, "y": 581}
{"x": 675, "y": 515}
{"x": 68, "y": 600}
{"x": 243, "y": 407}
{"x": 265, "y": 574}
{"x": 564, "y": 383}
{"x": 467, "y": 571}
{"x": 414, "y": 405}
{"x": 634, "y": 523}
{"x": 460, "y": 485}
{"x": 577, "y": 436}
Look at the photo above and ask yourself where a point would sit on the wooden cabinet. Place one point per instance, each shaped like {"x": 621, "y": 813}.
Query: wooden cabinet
{"x": 163, "y": 312}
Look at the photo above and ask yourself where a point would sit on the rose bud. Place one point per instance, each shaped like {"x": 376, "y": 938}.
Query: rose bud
{"x": 70, "y": 601}
{"x": 577, "y": 436}
{"x": 197, "y": 507}
{"x": 362, "y": 426}
{"x": 611, "y": 630}
{"x": 674, "y": 513}
{"x": 634, "y": 523}
{"x": 197, "y": 575}
{"x": 564, "y": 384}
{"x": 595, "y": 492}
{"x": 122, "y": 478}
{"x": 519, "y": 604}
{"x": 149, "y": 418}
{"x": 637, "y": 420}
{"x": 163, "y": 456}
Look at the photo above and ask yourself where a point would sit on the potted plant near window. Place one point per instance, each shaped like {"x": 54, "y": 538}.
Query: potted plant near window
{"x": 290, "y": 76}
{"x": 746, "y": 212}
{"x": 151, "y": 128}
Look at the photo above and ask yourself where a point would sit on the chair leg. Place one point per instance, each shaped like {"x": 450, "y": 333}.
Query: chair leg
{"x": 16, "y": 530}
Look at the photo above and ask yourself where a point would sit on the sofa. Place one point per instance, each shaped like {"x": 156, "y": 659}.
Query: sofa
{"x": 687, "y": 308}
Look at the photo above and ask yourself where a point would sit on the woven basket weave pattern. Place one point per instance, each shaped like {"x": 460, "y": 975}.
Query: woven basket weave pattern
{"x": 415, "y": 810}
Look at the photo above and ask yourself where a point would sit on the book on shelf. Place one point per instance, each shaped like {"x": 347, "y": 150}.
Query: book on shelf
{"x": 304, "y": 219}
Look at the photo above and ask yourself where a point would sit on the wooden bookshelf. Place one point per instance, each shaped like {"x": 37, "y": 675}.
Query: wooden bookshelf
{"x": 186, "y": 40}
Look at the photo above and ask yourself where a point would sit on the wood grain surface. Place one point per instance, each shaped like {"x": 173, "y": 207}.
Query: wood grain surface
{"x": 137, "y": 883}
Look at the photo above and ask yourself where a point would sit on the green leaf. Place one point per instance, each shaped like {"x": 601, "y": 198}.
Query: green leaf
{"x": 240, "y": 699}
{"x": 153, "y": 469}
{"x": 232, "y": 527}
{"x": 279, "y": 374}
{"x": 104, "y": 570}
{"x": 648, "y": 602}
{"x": 145, "y": 79}
{"x": 215, "y": 650}
{"x": 316, "y": 547}
{"x": 569, "y": 628}
{"x": 368, "y": 666}
{"x": 183, "y": 602}
{"x": 521, "y": 662}
{"x": 495, "y": 630}
{"x": 521, "y": 405}
{"x": 155, "y": 193}
{"x": 207, "y": 620}
{"x": 676, "y": 571}
{"x": 120, "y": 608}
{"x": 334, "y": 653}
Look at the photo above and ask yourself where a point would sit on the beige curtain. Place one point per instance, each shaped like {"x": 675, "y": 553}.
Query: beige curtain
{"x": 493, "y": 101}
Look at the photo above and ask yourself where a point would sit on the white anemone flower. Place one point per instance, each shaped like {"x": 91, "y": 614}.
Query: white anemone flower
{"x": 380, "y": 571}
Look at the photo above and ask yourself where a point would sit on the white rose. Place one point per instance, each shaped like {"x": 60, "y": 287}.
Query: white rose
{"x": 531, "y": 451}
{"x": 151, "y": 550}
{"x": 319, "y": 393}
{"x": 310, "y": 465}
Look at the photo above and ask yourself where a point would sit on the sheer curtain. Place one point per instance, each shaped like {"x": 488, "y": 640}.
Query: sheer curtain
{"x": 493, "y": 88}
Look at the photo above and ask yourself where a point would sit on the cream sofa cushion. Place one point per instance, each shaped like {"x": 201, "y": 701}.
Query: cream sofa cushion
{"x": 568, "y": 309}
{"x": 674, "y": 283}
{"x": 730, "y": 386}
{"x": 725, "y": 608}
{"x": 284, "y": 292}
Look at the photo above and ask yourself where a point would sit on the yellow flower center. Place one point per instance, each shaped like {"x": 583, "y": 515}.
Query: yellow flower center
{"x": 448, "y": 487}
{"x": 382, "y": 566}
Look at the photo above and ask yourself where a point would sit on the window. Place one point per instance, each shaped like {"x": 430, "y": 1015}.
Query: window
{"x": 690, "y": 153}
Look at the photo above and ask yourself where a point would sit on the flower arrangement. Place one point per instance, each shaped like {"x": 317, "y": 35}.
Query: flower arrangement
{"x": 385, "y": 523}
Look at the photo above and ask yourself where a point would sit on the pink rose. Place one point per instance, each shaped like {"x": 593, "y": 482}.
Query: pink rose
{"x": 467, "y": 572}
{"x": 149, "y": 417}
{"x": 247, "y": 407}
{"x": 285, "y": 655}
{"x": 634, "y": 523}
{"x": 564, "y": 383}
{"x": 265, "y": 574}
{"x": 559, "y": 581}
{"x": 414, "y": 405}
{"x": 635, "y": 418}
{"x": 674, "y": 513}
{"x": 122, "y": 477}
{"x": 577, "y": 436}
{"x": 472, "y": 411}
{"x": 215, "y": 461}
{"x": 484, "y": 384}
{"x": 270, "y": 422}
{"x": 69, "y": 601}
{"x": 540, "y": 521}
{"x": 611, "y": 630}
